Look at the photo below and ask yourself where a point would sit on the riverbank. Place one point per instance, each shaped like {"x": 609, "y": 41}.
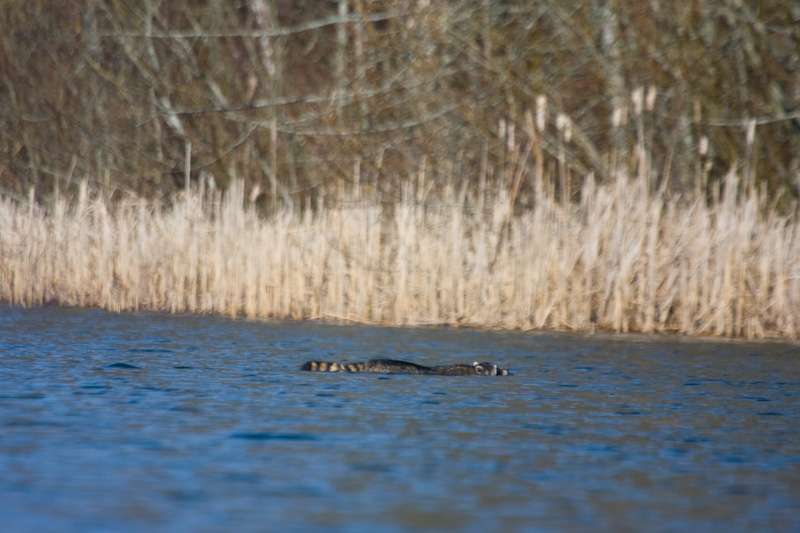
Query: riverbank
{"x": 623, "y": 258}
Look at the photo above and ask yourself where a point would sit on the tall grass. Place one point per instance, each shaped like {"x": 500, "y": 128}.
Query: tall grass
{"x": 623, "y": 258}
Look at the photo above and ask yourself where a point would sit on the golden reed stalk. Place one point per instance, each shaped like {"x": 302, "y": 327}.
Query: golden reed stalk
{"x": 622, "y": 259}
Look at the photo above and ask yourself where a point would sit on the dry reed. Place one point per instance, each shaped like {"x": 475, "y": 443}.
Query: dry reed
{"x": 623, "y": 259}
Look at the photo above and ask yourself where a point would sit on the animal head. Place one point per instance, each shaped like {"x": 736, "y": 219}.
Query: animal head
{"x": 489, "y": 369}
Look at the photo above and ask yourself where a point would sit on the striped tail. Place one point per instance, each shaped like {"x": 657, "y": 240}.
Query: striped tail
{"x": 323, "y": 366}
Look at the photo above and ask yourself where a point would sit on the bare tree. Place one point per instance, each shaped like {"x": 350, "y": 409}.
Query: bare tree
{"x": 306, "y": 99}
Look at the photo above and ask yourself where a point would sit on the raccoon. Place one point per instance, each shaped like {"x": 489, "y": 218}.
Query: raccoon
{"x": 392, "y": 366}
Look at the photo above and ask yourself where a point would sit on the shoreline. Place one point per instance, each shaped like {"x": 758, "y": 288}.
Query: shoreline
{"x": 602, "y": 334}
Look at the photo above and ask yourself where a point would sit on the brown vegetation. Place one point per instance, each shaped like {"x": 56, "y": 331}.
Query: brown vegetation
{"x": 621, "y": 259}
{"x": 622, "y": 165}
{"x": 307, "y": 98}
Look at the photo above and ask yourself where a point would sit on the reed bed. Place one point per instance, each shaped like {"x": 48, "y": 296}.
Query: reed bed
{"x": 623, "y": 258}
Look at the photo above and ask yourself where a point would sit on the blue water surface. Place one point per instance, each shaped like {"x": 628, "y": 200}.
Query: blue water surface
{"x": 153, "y": 422}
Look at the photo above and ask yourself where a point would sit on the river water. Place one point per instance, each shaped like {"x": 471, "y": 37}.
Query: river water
{"x": 153, "y": 422}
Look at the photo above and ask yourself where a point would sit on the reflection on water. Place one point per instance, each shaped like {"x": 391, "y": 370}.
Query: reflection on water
{"x": 158, "y": 422}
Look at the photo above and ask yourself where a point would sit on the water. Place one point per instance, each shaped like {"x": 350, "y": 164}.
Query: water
{"x": 175, "y": 423}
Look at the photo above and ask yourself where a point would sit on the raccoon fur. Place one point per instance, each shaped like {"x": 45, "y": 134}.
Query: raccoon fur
{"x": 392, "y": 366}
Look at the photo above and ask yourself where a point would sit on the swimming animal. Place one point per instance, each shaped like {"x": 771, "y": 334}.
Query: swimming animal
{"x": 392, "y": 366}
